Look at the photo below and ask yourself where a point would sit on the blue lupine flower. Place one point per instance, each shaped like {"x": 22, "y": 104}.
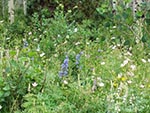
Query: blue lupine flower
{"x": 64, "y": 67}
{"x": 78, "y": 58}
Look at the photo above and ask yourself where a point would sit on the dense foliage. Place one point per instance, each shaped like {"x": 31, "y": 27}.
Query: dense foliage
{"x": 68, "y": 56}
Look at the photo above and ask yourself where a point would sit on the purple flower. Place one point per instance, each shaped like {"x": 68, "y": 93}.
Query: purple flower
{"x": 78, "y": 58}
{"x": 64, "y": 67}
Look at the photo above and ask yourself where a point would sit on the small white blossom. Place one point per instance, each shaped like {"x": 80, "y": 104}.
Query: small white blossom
{"x": 149, "y": 60}
{"x": 0, "y": 107}
{"x": 141, "y": 86}
{"x": 101, "y": 84}
{"x": 129, "y": 81}
{"x": 36, "y": 39}
{"x": 65, "y": 82}
{"x": 75, "y": 30}
{"x": 133, "y": 67}
{"x": 130, "y": 54}
{"x": 30, "y": 33}
{"x": 114, "y": 27}
{"x": 112, "y": 38}
{"x": 42, "y": 54}
{"x": 34, "y": 84}
{"x": 7, "y": 38}
{"x": 114, "y": 47}
{"x": 102, "y": 63}
{"x": 1, "y": 21}
{"x": 119, "y": 75}
{"x": 38, "y": 48}
{"x": 67, "y": 36}
{"x": 143, "y": 60}
{"x": 58, "y": 35}
{"x": 125, "y": 62}
{"x": 77, "y": 43}
{"x": 130, "y": 73}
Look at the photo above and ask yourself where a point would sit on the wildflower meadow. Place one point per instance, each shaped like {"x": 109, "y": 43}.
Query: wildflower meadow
{"x": 75, "y": 57}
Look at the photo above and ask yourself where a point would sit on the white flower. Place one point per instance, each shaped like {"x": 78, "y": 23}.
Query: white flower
{"x": 38, "y": 48}
{"x": 141, "y": 86}
{"x": 149, "y": 60}
{"x": 125, "y": 62}
{"x": 102, "y": 63}
{"x": 114, "y": 47}
{"x": 101, "y": 84}
{"x": 112, "y": 38}
{"x": 0, "y": 107}
{"x": 1, "y": 21}
{"x": 128, "y": 53}
{"x": 133, "y": 67}
{"x": 77, "y": 43}
{"x": 129, "y": 81}
{"x": 58, "y": 35}
{"x": 36, "y": 39}
{"x": 114, "y": 27}
{"x": 65, "y": 82}
{"x": 34, "y": 84}
{"x": 75, "y": 30}
{"x": 119, "y": 75}
{"x": 30, "y": 33}
{"x": 67, "y": 36}
{"x": 130, "y": 73}
{"x": 42, "y": 54}
{"x": 143, "y": 60}
{"x": 7, "y": 38}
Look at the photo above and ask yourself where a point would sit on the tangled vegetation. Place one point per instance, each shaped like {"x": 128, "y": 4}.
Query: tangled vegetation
{"x": 57, "y": 64}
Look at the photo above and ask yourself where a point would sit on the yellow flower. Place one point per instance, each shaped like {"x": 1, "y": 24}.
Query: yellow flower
{"x": 123, "y": 78}
{"x": 115, "y": 84}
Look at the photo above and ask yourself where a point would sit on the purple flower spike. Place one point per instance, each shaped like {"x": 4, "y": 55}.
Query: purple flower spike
{"x": 64, "y": 67}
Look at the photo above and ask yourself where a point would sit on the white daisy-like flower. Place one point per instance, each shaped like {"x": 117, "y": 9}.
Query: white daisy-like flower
{"x": 34, "y": 84}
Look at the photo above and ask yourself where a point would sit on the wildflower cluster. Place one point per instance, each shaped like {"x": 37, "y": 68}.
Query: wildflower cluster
{"x": 64, "y": 67}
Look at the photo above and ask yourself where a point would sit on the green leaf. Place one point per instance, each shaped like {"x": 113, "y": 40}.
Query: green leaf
{"x": 144, "y": 38}
{"x": 1, "y": 93}
{"x": 6, "y": 88}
